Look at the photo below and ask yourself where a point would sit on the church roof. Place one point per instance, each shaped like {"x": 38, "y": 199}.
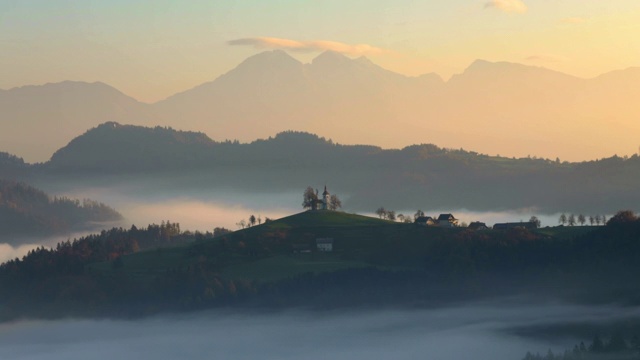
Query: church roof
{"x": 325, "y": 191}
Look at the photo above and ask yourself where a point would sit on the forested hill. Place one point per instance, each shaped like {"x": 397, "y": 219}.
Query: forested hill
{"x": 416, "y": 176}
{"x": 277, "y": 264}
{"x": 26, "y": 211}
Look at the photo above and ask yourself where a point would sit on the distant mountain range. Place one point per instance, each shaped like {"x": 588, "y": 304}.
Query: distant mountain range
{"x": 493, "y": 107}
{"x": 416, "y": 177}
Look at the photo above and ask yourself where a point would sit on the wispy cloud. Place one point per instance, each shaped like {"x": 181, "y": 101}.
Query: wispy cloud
{"x": 573, "y": 20}
{"x": 508, "y": 6}
{"x": 546, "y": 58}
{"x": 307, "y": 46}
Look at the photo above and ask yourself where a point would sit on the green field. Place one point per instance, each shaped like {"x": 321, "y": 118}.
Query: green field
{"x": 566, "y": 232}
{"x": 285, "y": 266}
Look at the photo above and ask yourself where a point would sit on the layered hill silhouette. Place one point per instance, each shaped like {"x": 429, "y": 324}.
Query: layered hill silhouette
{"x": 421, "y": 176}
{"x": 37, "y": 120}
{"x": 493, "y": 107}
{"x": 26, "y": 211}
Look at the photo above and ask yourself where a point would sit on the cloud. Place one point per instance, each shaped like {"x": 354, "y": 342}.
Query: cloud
{"x": 307, "y": 46}
{"x": 546, "y": 58}
{"x": 508, "y": 6}
{"x": 573, "y": 20}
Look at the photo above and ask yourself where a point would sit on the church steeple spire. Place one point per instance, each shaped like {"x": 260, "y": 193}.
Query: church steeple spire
{"x": 326, "y": 198}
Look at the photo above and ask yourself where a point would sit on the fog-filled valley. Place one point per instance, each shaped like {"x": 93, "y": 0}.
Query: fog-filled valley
{"x": 348, "y": 180}
{"x": 493, "y": 331}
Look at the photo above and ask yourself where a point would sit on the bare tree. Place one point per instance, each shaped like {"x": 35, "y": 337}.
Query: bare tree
{"x": 242, "y": 224}
{"x": 598, "y": 220}
{"x": 252, "y": 220}
{"x": 259, "y": 220}
{"x": 591, "y": 220}
{"x": 400, "y": 217}
{"x": 334, "y": 202}
{"x": 572, "y": 220}
{"x": 563, "y": 219}
{"x": 581, "y": 219}
{"x": 418, "y": 214}
{"x": 391, "y": 215}
{"x": 381, "y": 212}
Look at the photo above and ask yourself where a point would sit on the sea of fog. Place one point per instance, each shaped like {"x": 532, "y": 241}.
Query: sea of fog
{"x": 205, "y": 210}
{"x": 477, "y": 331}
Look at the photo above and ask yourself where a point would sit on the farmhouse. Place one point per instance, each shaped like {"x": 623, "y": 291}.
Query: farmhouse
{"x": 447, "y": 220}
{"x": 426, "y": 221}
{"x": 477, "y": 225}
{"x": 324, "y": 244}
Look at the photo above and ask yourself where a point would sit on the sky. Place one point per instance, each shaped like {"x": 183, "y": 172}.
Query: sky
{"x": 151, "y": 49}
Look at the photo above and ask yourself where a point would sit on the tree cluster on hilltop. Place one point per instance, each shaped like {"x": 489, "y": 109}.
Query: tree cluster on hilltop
{"x": 27, "y": 211}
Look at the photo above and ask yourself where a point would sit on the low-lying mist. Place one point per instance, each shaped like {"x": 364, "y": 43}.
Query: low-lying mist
{"x": 478, "y": 331}
{"x": 194, "y": 210}
{"x": 9, "y": 251}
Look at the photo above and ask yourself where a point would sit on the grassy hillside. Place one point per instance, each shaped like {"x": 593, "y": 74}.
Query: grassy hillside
{"x": 271, "y": 252}
{"x": 266, "y": 252}
{"x": 278, "y": 264}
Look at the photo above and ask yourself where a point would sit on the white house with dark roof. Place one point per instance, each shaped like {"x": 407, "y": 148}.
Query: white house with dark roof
{"x": 426, "y": 221}
{"x": 447, "y": 220}
{"x": 324, "y": 244}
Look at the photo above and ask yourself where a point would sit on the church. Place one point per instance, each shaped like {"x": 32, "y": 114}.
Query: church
{"x": 321, "y": 203}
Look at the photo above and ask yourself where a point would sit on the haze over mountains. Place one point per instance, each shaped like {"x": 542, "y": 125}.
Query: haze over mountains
{"x": 495, "y": 108}
{"x": 163, "y": 160}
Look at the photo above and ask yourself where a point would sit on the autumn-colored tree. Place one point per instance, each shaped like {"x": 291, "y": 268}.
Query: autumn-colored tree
{"x": 334, "y": 202}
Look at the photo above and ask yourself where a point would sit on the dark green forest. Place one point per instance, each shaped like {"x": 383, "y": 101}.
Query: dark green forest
{"x": 617, "y": 347}
{"x": 27, "y": 211}
{"x": 375, "y": 263}
{"x": 400, "y": 178}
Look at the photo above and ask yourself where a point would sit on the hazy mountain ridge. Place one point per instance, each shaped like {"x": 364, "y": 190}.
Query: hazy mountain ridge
{"x": 499, "y": 107}
{"x": 115, "y": 146}
{"x": 26, "y": 211}
{"x": 52, "y": 114}
{"x": 417, "y": 176}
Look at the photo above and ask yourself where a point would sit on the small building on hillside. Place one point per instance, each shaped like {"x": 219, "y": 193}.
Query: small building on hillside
{"x": 447, "y": 220}
{"x": 517, "y": 225}
{"x": 324, "y": 244}
{"x": 477, "y": 225}
{"x": 426, "y": 221}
